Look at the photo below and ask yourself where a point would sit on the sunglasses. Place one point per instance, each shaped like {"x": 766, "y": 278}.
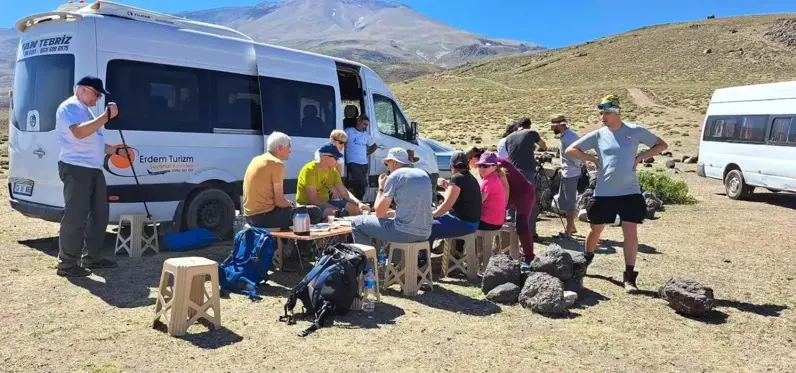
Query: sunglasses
{"x": 96, "y": 94}
{"x": 485, "y": 165}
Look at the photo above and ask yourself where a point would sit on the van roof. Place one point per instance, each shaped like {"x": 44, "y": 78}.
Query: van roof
{"x": 756, "y": 92}
{"x": 113, "y": 9}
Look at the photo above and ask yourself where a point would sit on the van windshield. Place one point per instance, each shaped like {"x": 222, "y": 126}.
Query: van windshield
{"x": 41, "y": 83}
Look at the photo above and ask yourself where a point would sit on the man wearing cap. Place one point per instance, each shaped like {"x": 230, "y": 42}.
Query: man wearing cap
{"x": 360, "y": 145}
{"x": 570, "y": 173}
{"x": 320, "y": 177}
{"x": 617, "y": 191}
{"x": 413, "y": 213}
{"x": 81, "y": 139}
{"x": 520, "y": 147}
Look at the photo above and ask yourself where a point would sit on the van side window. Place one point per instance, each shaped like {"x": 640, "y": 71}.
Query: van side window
{"x": 297, "y": 108}
{"x": 389, "y": 119}
{"x": 155, "y": 97}
{"x": 737, "y": 128}
{"x": 783, "y": 131}
{"x": 236, "y": 103}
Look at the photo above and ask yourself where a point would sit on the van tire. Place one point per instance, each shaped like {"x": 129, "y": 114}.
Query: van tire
{"x": 735, "y": 185}
{"x": 212, "y": 209}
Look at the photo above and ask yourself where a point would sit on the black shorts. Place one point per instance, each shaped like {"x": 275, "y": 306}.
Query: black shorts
{"x": 630, "y": 208}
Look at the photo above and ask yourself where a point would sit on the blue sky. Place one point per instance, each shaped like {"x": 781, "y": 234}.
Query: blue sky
{"x": 550, "y": 23}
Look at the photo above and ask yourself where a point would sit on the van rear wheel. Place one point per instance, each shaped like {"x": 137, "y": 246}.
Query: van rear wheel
{"x": 211, "y": 209}
{"x": 735, "y": 185}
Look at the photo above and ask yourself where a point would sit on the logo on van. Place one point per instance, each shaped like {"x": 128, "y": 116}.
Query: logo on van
{"x": 146, "y": 165}
{"x": 46, "y": 45}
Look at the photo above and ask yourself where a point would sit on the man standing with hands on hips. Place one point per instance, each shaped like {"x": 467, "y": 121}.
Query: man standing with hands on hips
{"x": 618, "y": 191}
{"x": 82, "y": 143}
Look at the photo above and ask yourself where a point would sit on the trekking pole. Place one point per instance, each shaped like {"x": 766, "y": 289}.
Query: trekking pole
{"x": 132, "y": 167}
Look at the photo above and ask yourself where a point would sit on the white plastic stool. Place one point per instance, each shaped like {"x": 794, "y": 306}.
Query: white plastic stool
{"x": 510, "y": 241}
{"x": 467, "y": 262}
{"x": 188, "y": 300}
{"x": 487, "y": 247}
{"x": 138, "y": 241}
{"x": 408, "y": 276}
{"x": 370, "y": 254}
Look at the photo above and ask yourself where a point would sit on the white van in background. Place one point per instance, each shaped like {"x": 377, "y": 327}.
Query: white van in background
{"x": 196, "y": 103}
{"x": 749, "y": 138}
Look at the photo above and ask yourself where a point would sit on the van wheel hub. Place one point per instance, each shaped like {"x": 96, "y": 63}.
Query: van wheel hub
{"x": 210, "y": 214}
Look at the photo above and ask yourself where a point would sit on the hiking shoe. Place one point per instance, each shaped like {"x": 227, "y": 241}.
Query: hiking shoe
{"x": 629, "y": 280}
{"x": 103, "y": 263}
{"x": 75, "y": 271}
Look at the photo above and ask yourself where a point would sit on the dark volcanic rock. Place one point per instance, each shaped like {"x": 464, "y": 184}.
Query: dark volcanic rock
{"x": 543, "y": 294}
{"x": 554, "y": 261}
{"x": 505, "y": 294}
{"x": 501, "y": 269}
{"x": 687, "y": 296}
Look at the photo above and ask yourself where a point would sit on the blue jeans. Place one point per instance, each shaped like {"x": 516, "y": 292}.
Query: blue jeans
{"x": 339, "y": 203}
{"x": 365, "y": 228}
{"x": 449, "y": 226}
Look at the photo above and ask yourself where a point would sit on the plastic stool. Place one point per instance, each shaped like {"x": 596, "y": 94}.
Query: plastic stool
{"x": 188, "y": 299}
{"x": 510, "y": 241}
{"x": 408, "y": 276}
{"x": 487, "y": 247}
{"x": 370, "y": 253}
{"x": 467, "y": 262}
{"x": 138, "y": 241}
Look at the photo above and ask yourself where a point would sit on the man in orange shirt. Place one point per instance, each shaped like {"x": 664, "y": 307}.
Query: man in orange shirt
{"x": 264, "y": 202}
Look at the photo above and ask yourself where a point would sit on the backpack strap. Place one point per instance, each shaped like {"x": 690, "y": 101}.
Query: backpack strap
{"x": 292, "y": 298}
{"x": 319, "y": 321}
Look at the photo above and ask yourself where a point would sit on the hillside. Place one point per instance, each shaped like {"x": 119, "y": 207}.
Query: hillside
{"x": 665, "y": 75}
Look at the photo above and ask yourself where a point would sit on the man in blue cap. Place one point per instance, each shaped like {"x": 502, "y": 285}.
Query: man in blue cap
{"x": 320, "y": 177}
{"x": 82, "y": 143}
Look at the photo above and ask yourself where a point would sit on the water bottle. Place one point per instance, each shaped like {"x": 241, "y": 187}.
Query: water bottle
{"x": 381, "y": 258}
{"x": 369, "y": 299}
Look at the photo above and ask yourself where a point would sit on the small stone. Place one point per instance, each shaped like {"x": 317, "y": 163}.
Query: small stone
{"x": 649, "y": 160}
{"x": 692, "y": 160}
{"x": 727, "y": 261}
{"x": 647, "y": 165}
{"x": 670, "y": 163}
{"x": 687, "y": 296}
{"x": 504, "y": 294}
{"x": 570, "y": 297}
{"x": 708, "y": 51}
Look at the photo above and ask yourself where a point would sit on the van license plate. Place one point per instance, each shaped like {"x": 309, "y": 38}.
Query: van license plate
{"x": 23, "y": 187}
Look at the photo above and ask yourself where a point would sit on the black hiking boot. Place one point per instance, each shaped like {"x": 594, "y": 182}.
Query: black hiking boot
{"x": 103, "y": 263}
{"x": 629, "y": 280}
{"x": 75, "y": 271}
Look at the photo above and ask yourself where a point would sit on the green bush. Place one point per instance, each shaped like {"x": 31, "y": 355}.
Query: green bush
{"x": 668, "y": 189}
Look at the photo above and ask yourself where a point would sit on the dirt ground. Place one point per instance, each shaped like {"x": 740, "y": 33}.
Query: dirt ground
{"x": 742, "y": 249}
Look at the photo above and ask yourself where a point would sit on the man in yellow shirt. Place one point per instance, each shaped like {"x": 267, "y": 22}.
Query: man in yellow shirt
{"x": 318, "y": 178}
{"x": 264, "y": 202}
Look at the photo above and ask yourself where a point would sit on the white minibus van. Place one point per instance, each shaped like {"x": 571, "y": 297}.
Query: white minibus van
{"x": 196, "y": 103}
{"x": 749, "y": 138}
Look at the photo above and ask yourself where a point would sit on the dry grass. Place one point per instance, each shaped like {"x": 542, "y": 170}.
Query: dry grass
{"x": 102, "y": 323}
{"x": 665, "y": 63}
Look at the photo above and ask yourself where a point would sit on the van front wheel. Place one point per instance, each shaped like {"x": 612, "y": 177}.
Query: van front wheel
{"x": 211, "y": 209}
{"x": 735, "y": 185}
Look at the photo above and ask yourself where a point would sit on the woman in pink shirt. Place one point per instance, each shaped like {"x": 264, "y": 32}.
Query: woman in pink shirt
{"x": 493, "y": 195}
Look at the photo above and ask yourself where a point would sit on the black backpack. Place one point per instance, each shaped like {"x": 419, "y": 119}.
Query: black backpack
{"x": 329, "y": 288}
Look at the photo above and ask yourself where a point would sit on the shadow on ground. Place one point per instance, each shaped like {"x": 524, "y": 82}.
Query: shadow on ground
{"x": 210, "y": 339}
{"x": 129, "y": 285}
{"x": 444, "y": 299}
{"x": 781, "y": 199}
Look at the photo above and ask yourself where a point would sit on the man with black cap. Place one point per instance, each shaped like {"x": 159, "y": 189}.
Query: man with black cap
{"x": 570, "y": 173}
{"x": 320, "y": 177}
{"x": 83, "y": 149}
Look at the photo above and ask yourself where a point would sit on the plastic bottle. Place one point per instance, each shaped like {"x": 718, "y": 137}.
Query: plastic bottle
{"x": 381, "y": 257}
{"x": 369, "y": 299}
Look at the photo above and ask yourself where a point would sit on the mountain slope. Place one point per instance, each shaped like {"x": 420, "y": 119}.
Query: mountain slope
{"x": 369, "y": 30}
{"x": 675, "y": 66}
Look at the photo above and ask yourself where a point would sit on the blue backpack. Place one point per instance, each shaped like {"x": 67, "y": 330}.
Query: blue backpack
{"x": 248, "y": 264}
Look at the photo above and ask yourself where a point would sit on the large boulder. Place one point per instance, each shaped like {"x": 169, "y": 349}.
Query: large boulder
{"x": 687, "y": 296}
{"x": 554, "y": 261}
{"x": 543, "y": 294}
{"x": 501, "y": 269}
{"x": 505, "y": 294}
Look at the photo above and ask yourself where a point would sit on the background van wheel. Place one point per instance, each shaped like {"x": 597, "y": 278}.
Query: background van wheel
{"x": 211, "y": 209}
{"x": 735, "y": 186}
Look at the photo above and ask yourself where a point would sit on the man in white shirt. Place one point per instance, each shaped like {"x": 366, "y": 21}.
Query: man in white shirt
{"x": 360, "y": 145}
{"x": 570, "y": 173}
{"x": 83, "y": 149}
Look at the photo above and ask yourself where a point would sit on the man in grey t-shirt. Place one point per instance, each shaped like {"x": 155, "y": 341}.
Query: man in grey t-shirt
{"x": 617, "y": 191}
{"x": 570, "y": 173}
{"x": 521, "y": 146}
{"x": 413, "y": 213}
